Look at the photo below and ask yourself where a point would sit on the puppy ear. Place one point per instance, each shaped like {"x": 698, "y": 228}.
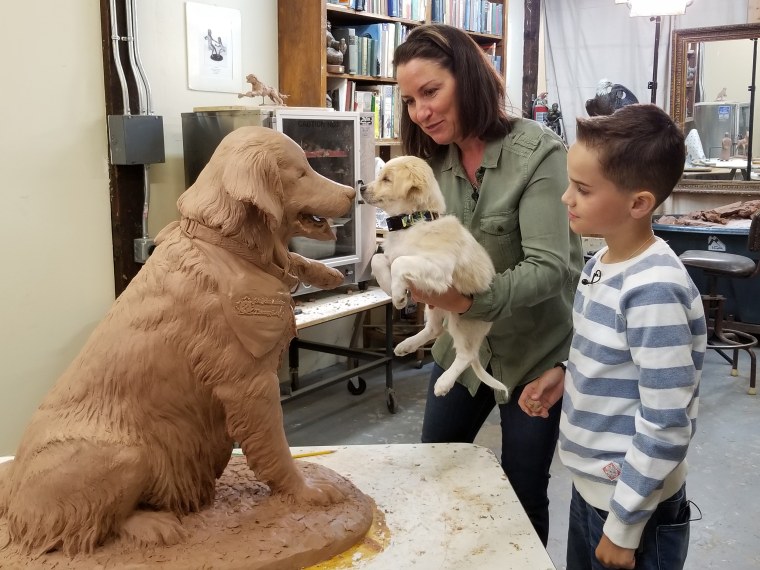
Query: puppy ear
{"x": 255, "y": 178}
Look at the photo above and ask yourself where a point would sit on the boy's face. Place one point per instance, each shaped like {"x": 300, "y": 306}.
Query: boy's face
{"x": 595, "y": 205}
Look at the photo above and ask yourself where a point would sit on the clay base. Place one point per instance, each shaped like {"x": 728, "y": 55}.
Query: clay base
{"x": 246, "y": 528}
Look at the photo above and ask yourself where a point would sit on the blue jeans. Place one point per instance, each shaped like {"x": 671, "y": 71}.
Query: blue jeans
{"x": 664, "y": 542}
{"x": 527, "y": 444}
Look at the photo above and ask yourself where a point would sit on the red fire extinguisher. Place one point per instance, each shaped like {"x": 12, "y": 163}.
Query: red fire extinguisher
{"x": 541, "y": 108}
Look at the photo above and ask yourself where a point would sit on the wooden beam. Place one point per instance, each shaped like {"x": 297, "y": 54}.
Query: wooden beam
{"x": 530, "y": 54}
{"x": 126, "y": 182}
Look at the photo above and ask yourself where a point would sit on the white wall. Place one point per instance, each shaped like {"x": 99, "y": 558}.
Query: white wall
{"x": 57, "y": 268}
{"x": 56, "y": 282}
{"x": 515, "y": 35}
{"x": 161, "y": 29}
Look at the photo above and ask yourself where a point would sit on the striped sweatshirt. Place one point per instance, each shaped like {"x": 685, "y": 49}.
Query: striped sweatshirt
{"x": 632, "y": 386}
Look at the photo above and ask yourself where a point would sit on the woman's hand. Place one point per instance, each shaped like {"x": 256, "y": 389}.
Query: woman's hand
{"x": 541, "y": 394}
{"x": 452, "y": 300}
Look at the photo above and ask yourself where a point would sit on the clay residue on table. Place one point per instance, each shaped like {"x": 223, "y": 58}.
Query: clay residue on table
{"x": 732, "y": 214}
{"x": 246, "y": 528}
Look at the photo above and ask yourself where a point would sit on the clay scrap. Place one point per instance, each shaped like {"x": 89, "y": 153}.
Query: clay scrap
{"x": 717, "y": 216}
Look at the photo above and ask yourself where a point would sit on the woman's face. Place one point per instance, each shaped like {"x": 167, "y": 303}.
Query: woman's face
{"x": 429, "y": 92}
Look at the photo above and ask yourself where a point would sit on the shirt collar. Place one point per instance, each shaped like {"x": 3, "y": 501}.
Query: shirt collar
{"x": 491, "y": 155}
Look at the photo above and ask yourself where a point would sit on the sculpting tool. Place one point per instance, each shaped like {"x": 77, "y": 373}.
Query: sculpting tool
{"x": 313, "y": 453}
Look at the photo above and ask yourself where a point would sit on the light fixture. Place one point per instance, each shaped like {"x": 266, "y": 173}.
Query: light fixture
{"x": 658, "y": 7}
{"x": 655, "y": 9}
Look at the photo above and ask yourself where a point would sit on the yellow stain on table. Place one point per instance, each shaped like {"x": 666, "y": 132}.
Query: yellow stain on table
{"x": 376, "y": 540}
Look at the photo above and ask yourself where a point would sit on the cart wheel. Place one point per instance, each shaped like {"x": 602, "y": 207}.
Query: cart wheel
{"x": 356, "y": 390}
{"x": 390, "y": 401}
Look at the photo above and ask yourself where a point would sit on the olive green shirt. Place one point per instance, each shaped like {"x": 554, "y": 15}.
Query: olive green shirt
{"x": 523, "y": 225}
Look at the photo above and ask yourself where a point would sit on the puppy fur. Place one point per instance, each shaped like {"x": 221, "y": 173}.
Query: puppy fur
{"x": 431, "y": 256}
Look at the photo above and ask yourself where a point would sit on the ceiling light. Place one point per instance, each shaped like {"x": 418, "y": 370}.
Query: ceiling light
{"x": 657, "y": 7}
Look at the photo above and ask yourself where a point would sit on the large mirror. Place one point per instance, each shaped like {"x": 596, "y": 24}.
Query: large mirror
{"x": 712, "y": 70}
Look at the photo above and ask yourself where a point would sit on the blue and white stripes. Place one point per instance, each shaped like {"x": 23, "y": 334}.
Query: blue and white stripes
{"x": 632, "y": 387}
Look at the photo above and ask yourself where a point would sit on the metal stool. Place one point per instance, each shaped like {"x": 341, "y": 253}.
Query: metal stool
{"x": 718, "y": 264}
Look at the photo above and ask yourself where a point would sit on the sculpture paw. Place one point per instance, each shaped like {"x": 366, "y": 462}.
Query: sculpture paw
{"x": 147, "y": 528}
{"x": 317, "y": 492}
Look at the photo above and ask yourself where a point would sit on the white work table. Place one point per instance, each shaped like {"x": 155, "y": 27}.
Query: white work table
{"x": 324, "y": 306}
{"x": 446, "y": 507}
{"x": 317, "y": 308}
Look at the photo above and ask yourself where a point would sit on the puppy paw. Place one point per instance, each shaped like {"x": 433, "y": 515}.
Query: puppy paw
{"x": 442, "y": 386}
{"x": 148, "y": 528}
{"x": 400, "y": 300}
{"x": 403, "y": 348}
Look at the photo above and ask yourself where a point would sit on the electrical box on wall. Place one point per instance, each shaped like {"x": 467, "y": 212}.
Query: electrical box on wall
{"x": 136, "y": 139}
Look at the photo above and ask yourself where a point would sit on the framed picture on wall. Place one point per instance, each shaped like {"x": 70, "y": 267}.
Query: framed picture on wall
{"x": 214, "y": 50}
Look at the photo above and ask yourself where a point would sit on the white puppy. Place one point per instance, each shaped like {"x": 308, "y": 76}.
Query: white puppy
{"x": 430, "y": 252}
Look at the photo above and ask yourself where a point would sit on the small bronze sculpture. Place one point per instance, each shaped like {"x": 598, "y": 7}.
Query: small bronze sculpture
{"x": 335, "y": 51}
{"x": 261, "y": 89}
{"x": 725, "y": 147}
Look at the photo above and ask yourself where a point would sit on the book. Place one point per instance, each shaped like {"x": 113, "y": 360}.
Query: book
{"x": 374, "y": 33}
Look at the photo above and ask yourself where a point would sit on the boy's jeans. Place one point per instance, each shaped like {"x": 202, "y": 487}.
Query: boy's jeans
{"x": 664, "y": 543}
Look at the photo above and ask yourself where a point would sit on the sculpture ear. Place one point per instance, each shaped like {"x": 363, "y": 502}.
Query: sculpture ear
{"x": 255, "y": 179}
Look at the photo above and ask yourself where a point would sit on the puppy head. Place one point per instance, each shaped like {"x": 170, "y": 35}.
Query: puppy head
{"x": 405, "y": 184}
{"x": 258, "y": 181}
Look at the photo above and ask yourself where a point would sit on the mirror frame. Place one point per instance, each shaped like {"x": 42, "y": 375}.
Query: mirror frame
{"x": 680, "y": 40}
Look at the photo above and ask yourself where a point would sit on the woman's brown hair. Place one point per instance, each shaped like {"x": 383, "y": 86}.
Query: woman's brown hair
{"x": 479, "y": 88}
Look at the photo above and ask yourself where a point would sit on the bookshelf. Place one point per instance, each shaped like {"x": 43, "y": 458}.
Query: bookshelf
{"x": 302, "y": 26}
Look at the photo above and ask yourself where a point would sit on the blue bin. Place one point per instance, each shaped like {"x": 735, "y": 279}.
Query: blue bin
{"x": 742, "y": 295}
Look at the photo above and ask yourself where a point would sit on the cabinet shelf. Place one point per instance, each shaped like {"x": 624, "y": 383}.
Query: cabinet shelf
{"x": 364, "y": 78}
{"x": 336, "y": 14}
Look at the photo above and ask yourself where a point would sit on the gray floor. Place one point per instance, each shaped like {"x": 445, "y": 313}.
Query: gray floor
{"x": 724, "y": 456}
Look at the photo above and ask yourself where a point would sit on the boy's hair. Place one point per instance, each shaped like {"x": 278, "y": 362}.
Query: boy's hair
{"x": 479, "y": 88}
{"x": 639, "y": 148}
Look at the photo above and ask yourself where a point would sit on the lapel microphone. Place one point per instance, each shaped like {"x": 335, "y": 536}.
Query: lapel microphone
{"x": 595, "y": 278}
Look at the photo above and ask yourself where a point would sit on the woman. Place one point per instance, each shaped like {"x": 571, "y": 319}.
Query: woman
{"x": 503, "y": 178}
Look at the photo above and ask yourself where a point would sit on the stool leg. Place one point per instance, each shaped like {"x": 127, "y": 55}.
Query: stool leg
{"x": 752, "y": 391}
{"x": 735, "y": 363}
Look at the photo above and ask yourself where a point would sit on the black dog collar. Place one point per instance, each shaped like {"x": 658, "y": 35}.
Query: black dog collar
{"x": 408, "y": 220}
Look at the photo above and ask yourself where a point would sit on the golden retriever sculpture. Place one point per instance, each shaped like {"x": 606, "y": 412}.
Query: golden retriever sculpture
{"x": 136, "y": 431}
{"x": 431, "y": 252}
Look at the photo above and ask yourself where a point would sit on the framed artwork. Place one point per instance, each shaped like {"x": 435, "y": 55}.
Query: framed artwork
{"x": 214, "y": 50}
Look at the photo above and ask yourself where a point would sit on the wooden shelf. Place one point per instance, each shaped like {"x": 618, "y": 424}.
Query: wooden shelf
{"x": 366, "y": 78}
{"x": 302, "y": 26}
{"x": 337, "y": 14}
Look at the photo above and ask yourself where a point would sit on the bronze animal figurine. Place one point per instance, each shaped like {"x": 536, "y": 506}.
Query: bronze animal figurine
{"x": 261, "y": 89}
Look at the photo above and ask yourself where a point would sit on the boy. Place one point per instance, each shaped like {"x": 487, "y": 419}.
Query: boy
{"x": 632, "y": 377}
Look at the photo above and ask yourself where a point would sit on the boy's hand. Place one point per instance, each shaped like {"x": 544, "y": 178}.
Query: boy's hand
{"x": 541, "y": 394}
{"x": 613, "y": 556}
